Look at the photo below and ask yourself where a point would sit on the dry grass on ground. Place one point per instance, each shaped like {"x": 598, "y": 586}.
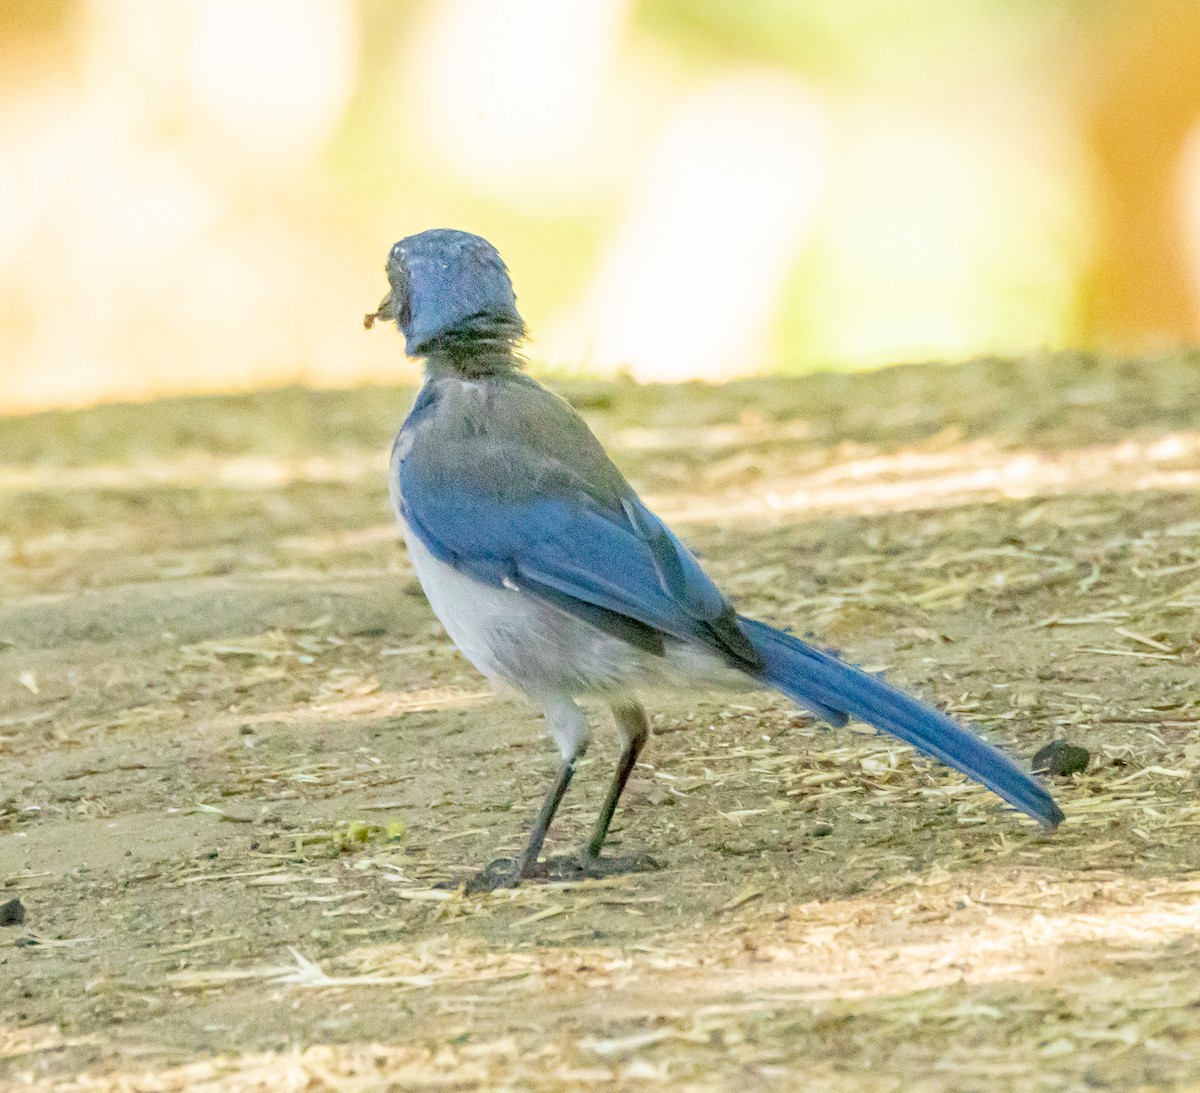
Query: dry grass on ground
{"x": 237, "y": 755}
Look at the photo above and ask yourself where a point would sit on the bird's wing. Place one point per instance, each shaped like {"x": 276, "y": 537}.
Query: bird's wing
{"x": 511, "y": 515}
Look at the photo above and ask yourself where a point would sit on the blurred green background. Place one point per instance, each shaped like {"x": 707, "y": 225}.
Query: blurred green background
{"x": 198, "y": 195}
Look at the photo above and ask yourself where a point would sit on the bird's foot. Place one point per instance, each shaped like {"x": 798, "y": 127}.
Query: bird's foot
{"x": 510, "y": 872}
{"x": 501, "y": 873}
{"x": 584, "y": 866}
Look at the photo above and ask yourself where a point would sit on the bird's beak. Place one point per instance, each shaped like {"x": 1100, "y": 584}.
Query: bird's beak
{"x": 386, "y": 312}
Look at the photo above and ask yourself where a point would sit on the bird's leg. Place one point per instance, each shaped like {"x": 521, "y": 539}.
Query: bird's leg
{"x": 568, "y": 725}
{"x": 631, "y": 722}
{"x": 527, "y": 862}
{"x": 509, "y": 872}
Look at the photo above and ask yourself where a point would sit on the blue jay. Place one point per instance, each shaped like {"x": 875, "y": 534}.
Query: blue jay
{"x": 553, "y": 577}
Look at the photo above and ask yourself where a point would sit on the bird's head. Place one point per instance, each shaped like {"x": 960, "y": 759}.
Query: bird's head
{"x": 449, "y": 289}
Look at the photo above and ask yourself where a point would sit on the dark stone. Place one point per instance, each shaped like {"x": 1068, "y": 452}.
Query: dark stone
{"x": 1060, "y": 758}
{"x": 12, "y": 913}
{"x": 819, "y": 831}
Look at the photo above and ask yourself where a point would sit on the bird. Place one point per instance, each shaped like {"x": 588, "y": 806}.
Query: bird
{"x": 556, "y": 580}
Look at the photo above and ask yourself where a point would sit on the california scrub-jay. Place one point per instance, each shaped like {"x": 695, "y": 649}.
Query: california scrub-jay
{"x": 551, "y": 575}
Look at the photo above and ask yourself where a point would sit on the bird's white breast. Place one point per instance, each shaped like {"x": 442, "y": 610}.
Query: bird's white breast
{"x": 474, "y": 614}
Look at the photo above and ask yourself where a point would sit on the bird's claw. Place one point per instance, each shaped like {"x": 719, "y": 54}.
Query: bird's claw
{"x": 509, "y": 873}
{"x": 584, "y": 866}
{"x": 501, "y": 873}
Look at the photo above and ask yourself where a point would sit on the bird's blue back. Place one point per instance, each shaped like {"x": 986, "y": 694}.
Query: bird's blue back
{"x": 503, "y": 480}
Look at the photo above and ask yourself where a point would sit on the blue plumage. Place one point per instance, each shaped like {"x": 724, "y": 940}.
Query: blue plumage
{"x": 804, "y": 673}
{"x": 564, "y": 543}
{"x": 553, "y": 576}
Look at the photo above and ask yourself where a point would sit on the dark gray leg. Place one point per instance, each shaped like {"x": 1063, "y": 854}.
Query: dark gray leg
{"x": 568, "y": 725}
{"x": 537, "y": 835}
{"x": 631, "y": 722}
{"x": 569, "y": 728}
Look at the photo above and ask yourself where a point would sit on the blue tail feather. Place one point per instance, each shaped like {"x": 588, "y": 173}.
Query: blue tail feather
{"x": 824, "y": 684}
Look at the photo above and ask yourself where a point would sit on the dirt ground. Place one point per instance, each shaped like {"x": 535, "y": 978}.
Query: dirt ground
{"x": 237, "y": 755}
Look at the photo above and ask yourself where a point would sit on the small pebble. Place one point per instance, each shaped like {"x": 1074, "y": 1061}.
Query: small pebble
{"x": 12, "y": 913}
{"x": 819, "y": 831}
{"x": 1059, "y": 758}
